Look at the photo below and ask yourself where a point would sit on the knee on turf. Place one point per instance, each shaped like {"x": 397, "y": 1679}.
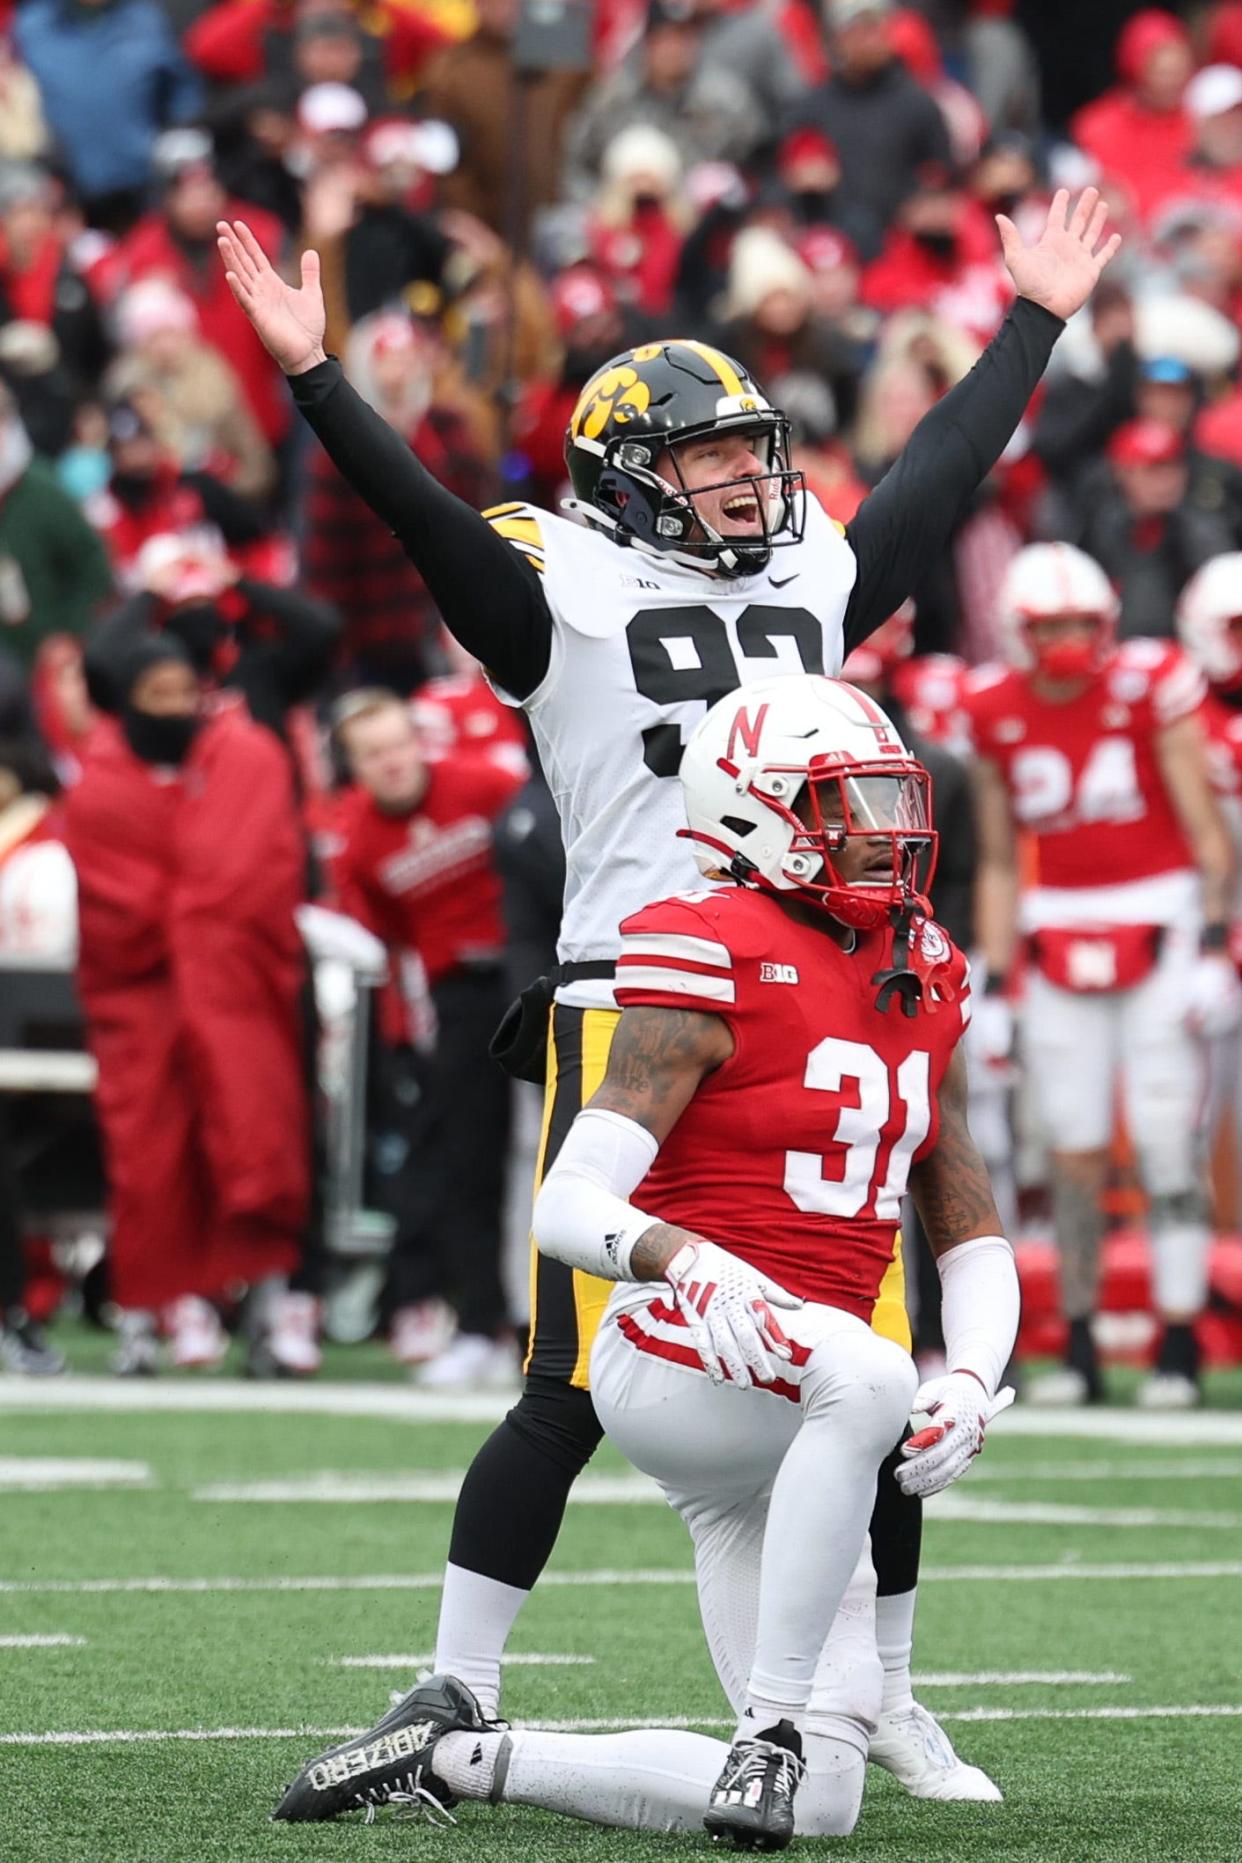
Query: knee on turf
{"x": 864, "y": 1382}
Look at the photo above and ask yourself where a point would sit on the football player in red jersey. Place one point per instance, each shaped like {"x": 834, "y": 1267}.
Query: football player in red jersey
{"x": 787, "y": 1061}
{"x": 1094, "y": 749}
{"x": 1209, "y": 625}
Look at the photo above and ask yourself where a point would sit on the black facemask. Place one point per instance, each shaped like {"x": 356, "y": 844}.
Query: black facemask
{"x": 132, "y": 488}
{"x": 647, "y": 203}
{"x": 158, "y": 740}
{"x": 200, "y": 628}
{"x": 939, "y": 245}
{"x": 811, "y": 205}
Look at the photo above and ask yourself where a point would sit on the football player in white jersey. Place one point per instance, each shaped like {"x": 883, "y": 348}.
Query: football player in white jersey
{"x": 701, "y": 565}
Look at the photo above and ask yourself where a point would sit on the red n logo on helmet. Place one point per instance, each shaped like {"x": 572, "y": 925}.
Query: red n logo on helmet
{"x": 749, "y": 732}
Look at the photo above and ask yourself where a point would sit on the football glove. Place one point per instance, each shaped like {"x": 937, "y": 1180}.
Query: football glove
{"x": 960, "y": 1410}
{"x": 727, "y": 1306}
{"x": 1213, "y": 995}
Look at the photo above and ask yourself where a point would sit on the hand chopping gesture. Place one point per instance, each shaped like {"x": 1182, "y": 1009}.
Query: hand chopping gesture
{"x": 1062, "y": 268}
{"x": 290, "y": 320}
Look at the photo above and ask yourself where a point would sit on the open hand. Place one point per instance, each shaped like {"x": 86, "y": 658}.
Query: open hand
{"x": 290, "y": 320}
{"x": 1061, "y": 269}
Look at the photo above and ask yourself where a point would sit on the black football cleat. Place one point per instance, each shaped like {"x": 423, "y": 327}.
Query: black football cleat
{"x": 752, "y": 1802}
{"x": 392, "y": 1763}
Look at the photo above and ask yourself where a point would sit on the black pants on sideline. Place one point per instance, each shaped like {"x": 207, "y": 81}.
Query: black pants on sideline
{"x": 448, "y": 1198}
{"x": 513, "y": 1499}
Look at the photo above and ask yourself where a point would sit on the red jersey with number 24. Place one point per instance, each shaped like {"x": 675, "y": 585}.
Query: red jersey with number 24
{"x": 794, "y": 1155}
{"x": 1083, "y": 776}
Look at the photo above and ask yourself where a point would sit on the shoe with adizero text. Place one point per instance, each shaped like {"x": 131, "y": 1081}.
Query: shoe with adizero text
{"x": 390, "y": 1765}
{"x": 752, "y": 1801}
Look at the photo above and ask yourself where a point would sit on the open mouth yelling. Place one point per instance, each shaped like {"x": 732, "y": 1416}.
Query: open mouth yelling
{"x": 740, "y": 511}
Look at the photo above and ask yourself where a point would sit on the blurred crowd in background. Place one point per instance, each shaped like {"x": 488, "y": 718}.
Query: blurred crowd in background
{"x": 502, "y": 199}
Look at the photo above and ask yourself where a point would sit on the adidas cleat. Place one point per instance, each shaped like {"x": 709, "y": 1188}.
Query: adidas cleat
{"x": 752, "y": 1801}
{"x": 391, "y": 1764}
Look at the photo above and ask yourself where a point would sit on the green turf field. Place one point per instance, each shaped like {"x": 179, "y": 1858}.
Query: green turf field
{"x": 1107, "y": 1567}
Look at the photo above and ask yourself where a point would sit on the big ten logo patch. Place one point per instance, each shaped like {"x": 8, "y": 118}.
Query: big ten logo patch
{"x": 778, "y": 973}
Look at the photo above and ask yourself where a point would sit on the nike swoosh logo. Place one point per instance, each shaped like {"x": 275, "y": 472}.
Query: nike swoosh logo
{"x": 784, "y": 580}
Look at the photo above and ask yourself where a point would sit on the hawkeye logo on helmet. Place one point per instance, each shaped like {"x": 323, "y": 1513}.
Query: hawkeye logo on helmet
{"x": 749, "y": 732}
{"x": 617, "y": 394}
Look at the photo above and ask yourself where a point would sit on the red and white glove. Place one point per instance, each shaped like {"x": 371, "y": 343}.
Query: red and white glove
{"x": 1213, "y": 995}
{"x": 727, "y": 1306}
{"x": 961, "y": 1410}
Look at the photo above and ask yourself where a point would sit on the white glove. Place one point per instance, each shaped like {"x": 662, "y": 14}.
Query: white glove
{"x": 1213, "y": 995}
{"x": 961, "y": 1410}
{"x": 727, "y": 1306}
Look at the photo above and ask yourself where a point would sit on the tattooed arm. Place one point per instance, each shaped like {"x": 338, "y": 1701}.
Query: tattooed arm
{"x": 951, "y": 1188}
{"x": 657, "y": 1061}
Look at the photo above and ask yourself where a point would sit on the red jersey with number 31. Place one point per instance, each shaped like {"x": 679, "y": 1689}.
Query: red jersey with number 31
{"x": 794, "y": 1155}
{"x": 1083, "y": 776}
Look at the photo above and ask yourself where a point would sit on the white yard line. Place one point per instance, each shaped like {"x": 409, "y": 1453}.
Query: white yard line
{"x": 1019, "y": 1678}
{"x": 962, "y": 1507}
{"x": 435, "y": 1485}
{"x": 42, "y": 1643}
{"x": 442, "y": 1486}
{"x": 425, "y": 1659}
{"x": 611, "y": 1724}
{"x": 38, "y": 1474}
{"x": 608, "y": 1580}
{"x": 403, "y": 1402}
{"x": 994, "y": 1468}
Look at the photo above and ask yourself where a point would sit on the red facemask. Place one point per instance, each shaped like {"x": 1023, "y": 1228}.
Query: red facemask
{"x": 1067, "y": 659}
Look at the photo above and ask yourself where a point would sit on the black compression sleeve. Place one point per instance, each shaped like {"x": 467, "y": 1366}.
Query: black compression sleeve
{"x": 490, "y": 597}
{"x": 911, "y": 514}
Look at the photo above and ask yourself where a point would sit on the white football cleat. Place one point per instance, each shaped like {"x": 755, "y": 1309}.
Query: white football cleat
{"x": 1066, "y": 1388}
{"x": 420, "y": 1332}
{"x": 137, "y": 1352}
{"x": 197, "y": 1339}
{"x": 1168, "y": 1390}
{"x": 914, "y": 1747}
{"x": 293, "y": 1335}
{"x": 473, "y": 1362}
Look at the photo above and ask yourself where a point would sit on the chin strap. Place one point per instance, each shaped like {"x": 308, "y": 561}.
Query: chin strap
{"x": 919, "y": 962}
{"x": 899, "y": 981}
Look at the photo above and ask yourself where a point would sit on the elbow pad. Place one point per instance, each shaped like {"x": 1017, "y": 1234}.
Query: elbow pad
{"x": 582, "y": 1214}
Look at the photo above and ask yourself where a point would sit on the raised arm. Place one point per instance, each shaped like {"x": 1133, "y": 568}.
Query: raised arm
{"x": 583, "y": 1215}
{"x": 490, "y": 596}
{"x": 911, "y": 514}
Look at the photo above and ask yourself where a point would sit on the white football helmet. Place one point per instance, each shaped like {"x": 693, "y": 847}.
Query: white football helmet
{"x": 1209, "y": 620}
{"x": 1044, "y": 582}
{"x": 778, "y": 778}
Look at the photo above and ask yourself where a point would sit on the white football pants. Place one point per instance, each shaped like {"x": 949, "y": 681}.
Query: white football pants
{"x": 1080, "y": 1048}
{"x": 776, "y": 1492}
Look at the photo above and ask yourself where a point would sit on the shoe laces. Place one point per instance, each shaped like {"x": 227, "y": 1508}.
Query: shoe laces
{"x": 752, "y": 1759}
{"x": 936, "y": 1743}
{"x": 407, "y": 1798}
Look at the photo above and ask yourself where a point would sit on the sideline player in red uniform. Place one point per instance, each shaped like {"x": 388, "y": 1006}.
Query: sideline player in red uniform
{"x": 416, "y": 868}
{"x": 1095, "y": 750}
{"x": 786, "y": 1062}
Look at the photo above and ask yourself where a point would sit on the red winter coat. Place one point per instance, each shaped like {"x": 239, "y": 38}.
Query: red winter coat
{"x": 189, "y": 971}
{"x": 150, "y": 251}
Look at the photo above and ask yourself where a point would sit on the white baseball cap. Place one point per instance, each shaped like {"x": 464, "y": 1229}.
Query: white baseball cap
{"x": 1214, "y": 90}
{"x": 328, "y": 108}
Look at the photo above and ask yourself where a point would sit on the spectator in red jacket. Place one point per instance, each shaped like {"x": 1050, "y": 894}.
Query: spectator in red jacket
{"x": 941, "y": 256}
{"x": 417, "y": 868}
{"x": 178, "y": 241}
{"x": 238, "y": 41}
{"x": 185, "y": 838}
{"x": 39, "y": 281}
{"x": 1139, "y": 132}
{"x": 1212, "y": 171}
{"x": 640, "y": 217}
{"x": 592, "y": 326}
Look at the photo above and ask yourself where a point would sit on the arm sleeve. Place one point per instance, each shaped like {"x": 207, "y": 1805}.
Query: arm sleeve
{"x": 911, "y": 514}
{"x": 489, "y": 594}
